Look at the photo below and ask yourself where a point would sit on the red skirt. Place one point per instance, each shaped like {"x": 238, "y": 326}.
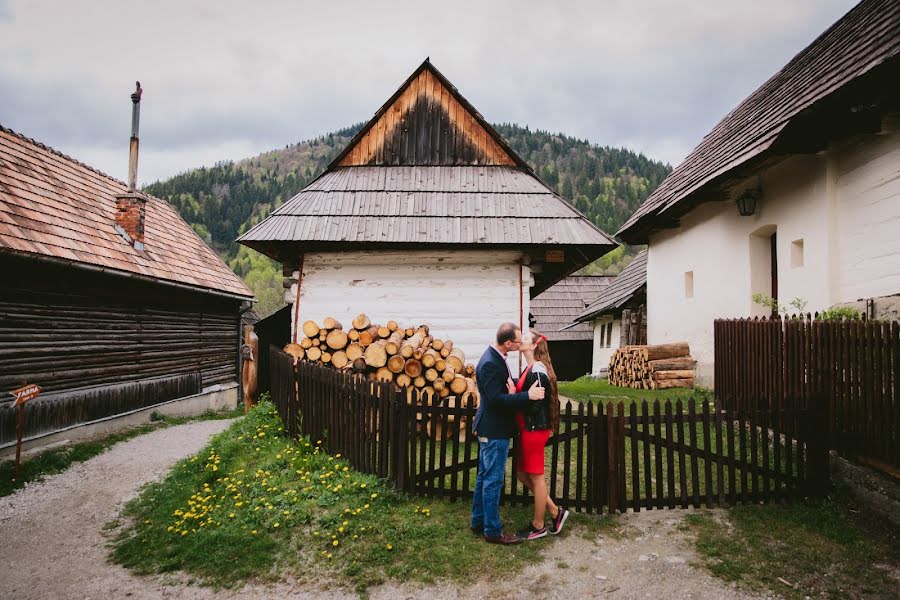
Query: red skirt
{"x": 530, "y": 457}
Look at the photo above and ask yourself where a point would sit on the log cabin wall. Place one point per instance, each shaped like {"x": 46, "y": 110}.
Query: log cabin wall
{"x": 462, "y": 295}
{"x": 64, "y": 327}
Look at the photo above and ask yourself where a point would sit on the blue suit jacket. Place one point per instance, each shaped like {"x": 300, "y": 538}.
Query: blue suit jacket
{"x": 496, "y": 413}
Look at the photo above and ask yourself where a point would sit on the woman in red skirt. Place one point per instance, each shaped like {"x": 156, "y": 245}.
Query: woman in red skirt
{"x": 536, "y": 423}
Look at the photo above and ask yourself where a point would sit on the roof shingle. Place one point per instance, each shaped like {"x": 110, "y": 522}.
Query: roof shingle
{"x": 55, "y": 206}
{"x": 561, "y": 304}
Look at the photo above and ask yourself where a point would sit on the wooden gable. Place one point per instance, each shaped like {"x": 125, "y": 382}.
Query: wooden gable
{"x": 427, "y": 123}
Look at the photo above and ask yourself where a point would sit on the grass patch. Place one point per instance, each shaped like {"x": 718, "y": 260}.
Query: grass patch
{"x": 814, "y": 546}
{"x": 255, "y": 505}
{"x": 599, "y": 391}
{"x": 57, "y": 460}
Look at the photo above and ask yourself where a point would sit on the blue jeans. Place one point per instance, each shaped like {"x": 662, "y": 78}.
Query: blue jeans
{"x": 489, "y": 484}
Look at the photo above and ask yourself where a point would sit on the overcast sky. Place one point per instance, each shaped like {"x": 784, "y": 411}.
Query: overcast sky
{"x": 227, "y": 80}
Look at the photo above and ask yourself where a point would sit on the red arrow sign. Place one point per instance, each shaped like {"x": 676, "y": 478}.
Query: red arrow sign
{"x": 25, "y": 393}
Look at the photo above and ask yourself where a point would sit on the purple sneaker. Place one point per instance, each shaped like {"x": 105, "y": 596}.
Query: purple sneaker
{"x": 557, "y": 524}
{"x": 531, "y": 533}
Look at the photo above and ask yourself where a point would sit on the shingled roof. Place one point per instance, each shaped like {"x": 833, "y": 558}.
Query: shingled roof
{"x": 55, "y": 207}
{"x": 560, "y": 304}
{"x": 614, "y": 296}
{"x": 428, "y": 171}
{"x": 852, "y": 65}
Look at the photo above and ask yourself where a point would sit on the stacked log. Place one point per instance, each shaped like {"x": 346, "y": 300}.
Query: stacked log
{"x": 655, "y": 367}
{"x": 409, "y": 357}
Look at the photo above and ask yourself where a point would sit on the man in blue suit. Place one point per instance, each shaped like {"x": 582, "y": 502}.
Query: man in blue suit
{"x": 494, "y": 425}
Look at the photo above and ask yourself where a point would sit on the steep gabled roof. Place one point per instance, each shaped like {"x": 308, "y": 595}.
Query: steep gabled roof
{"x": 428, "y": 171}
{"x": 55, "y": 207}
{"x": 560, "y": 304}
{"x": 427, "y": 122}
{"x": 626, "y": 284}
{"x": 793, "y": 109}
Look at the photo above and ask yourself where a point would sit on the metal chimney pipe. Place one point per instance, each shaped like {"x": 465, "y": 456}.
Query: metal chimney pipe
{"x": 133, "y": 148}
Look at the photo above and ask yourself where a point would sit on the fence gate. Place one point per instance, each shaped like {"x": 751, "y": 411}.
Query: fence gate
{"x": 603, "y": 458}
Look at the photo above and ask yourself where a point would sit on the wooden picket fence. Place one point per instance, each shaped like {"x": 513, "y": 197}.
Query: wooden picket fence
{"x": 603, "y": 459}
{"x": 851, "y": 367}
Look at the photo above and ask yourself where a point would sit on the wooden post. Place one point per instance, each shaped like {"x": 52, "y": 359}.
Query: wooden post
{"x": 249, "y": 371}
{"x": 625, "y": 329}
{"x": 23, "y": 394}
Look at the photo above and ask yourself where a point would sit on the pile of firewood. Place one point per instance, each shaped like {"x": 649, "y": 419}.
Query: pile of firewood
{"x": 409, "y": 357}
{"x": 653, "y": 367}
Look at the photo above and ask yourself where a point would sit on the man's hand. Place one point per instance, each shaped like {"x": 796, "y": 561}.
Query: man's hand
{"x": 536, "y": 392}
{"x": 510, "y": 386}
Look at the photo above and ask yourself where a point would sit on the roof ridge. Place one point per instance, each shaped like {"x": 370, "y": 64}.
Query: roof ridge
{"x": 53, "y": 150}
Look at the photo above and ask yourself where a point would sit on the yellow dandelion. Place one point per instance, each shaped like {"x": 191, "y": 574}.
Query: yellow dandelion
{"x": 335, "y": 543}
{"x": 390, "y": 546}
{"x": 276, "y": 525}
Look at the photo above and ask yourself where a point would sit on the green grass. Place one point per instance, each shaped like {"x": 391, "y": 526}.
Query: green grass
{"x": 253, "y": 505}
{"x": 57, "y": 460}
{"x": 815, "y": 546}
{"x": 599, "y": 391}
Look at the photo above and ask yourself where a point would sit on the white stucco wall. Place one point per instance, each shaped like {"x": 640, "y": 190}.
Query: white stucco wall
{"x": 845, "y": 206}
{"x": 461, "y": 295}
{"x": 602, "y": 354}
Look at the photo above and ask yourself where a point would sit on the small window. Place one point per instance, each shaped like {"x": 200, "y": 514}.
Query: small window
{"x": 609, "y": 336}
{"x": 689, "y": 284}
{"x": 796, "y": 253}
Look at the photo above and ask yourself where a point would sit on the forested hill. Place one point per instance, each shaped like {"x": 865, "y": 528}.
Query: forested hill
{"x": 221, "y": 202}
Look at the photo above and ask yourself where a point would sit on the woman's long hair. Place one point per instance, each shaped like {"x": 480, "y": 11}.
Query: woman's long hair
{"x": 542, "y": 353}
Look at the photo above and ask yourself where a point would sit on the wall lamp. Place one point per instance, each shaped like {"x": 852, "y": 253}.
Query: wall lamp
{"x": 748, "y": 201}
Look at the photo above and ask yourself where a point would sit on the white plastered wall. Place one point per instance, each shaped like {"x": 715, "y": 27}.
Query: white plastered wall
{"x": 462, "y": 295}
{"x": 843, "y": 204}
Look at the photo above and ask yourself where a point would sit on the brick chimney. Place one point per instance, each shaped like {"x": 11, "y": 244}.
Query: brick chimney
{"x": 131, "y": 206}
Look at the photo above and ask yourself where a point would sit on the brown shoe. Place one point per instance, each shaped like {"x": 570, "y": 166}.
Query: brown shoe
{"x": 504, "y": 538}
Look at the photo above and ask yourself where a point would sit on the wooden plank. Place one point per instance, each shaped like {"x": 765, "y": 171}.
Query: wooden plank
{"x": 764, "y": 443}
{"x": 682, "y": 455}
{"x": 635, "y": 466}
{"x": 467, "y": 443}
{"x": 754, "y": 452}
{"x": 670, "y": 456}
{"x": 612, "y": 485}
{"x": 707, "y": 460}
{"x": 695, "y": 471}
{"x": 895, "y": 358}
{"x": 554, "y": 459}
{"x": 589, "y": 459}
{"x": 732, "y": 473}
{"x": 567, "y": 456}
{"x": 647, "y": 466}
{"x": 579, "y": 491}
{"x": 620, "y": 454}
{"x": 660, "y": 497}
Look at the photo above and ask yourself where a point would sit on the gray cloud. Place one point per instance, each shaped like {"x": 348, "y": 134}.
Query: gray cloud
{"x": 226, "y": 80}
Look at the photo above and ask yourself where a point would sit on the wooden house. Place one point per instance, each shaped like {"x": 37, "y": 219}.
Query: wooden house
{"x": 428, "y": 216}
{"x": 109, "y": 301}
{"x": 553, "y": 310}
{"x": 794, "y": 194}
{"x": 616, "y": 316}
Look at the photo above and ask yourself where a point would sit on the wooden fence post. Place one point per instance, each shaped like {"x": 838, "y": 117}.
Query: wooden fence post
{"x": 612, "y": 473}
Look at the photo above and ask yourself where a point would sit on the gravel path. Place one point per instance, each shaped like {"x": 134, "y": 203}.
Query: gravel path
{"x": 54, "y": 546}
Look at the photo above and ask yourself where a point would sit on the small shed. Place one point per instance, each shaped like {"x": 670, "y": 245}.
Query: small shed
{"x": 617, "y": 316}
{"x": 110, "y": 302}
{"x": 554, "y": 310}
{"x": 428, "y": 216}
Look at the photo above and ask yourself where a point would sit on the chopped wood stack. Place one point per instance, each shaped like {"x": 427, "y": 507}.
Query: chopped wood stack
{"x": 653, "y": 367}
{"x": 409, "y": 357}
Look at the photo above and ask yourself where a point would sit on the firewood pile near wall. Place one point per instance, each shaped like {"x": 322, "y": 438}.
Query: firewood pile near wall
{"x": 410, "y": 357}
{"x": 653, "y": 367}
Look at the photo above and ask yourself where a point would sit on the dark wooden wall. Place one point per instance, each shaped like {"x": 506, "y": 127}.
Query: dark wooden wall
{"x": 571, "y": 359}
{"x": 63, "y": 327}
